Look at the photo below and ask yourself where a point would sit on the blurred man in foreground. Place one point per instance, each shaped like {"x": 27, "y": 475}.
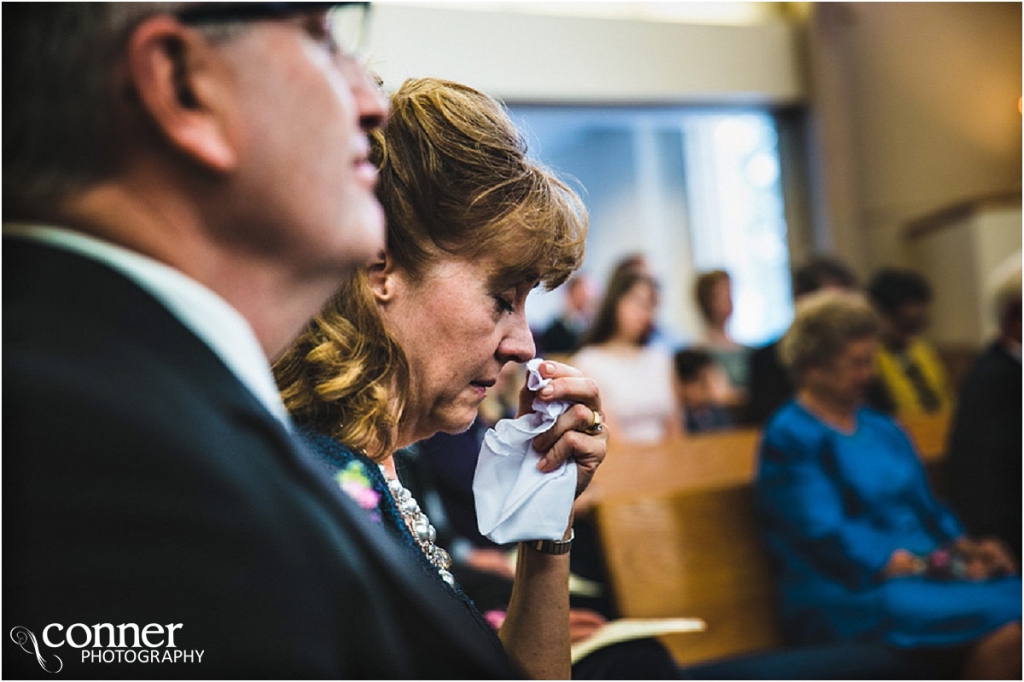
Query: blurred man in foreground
{"x": 184, "y": 186}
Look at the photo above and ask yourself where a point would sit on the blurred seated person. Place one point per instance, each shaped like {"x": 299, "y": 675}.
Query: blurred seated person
{"x": 911, "y": 377}
{"x": 983, "y": 460}
{"x": 768, "y": 384}
{"x": 634, "y": 377}
{"x": 636, "y": 262}
{"x": 562, "y": 335}
{"x": 865, "y": 551}
{"x": 694, "y": 367}
{"x": 713, "y": 293}
{"x": 662, "y": 335}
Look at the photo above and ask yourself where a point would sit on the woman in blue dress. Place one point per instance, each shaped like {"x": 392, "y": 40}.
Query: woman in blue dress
{"x": 864, "y": 550}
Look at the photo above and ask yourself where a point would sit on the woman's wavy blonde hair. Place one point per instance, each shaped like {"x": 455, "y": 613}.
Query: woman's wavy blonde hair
{"x": 454, "y": 180}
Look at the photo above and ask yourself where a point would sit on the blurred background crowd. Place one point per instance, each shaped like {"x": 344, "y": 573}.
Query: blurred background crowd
{"x": 737, "y": 159}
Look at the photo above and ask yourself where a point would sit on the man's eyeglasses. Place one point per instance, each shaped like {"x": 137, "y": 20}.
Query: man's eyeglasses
{"x": 348, "y": 22}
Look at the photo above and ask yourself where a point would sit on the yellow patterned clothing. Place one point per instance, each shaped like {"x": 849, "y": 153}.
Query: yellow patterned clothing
{"x": 915, "y": 379}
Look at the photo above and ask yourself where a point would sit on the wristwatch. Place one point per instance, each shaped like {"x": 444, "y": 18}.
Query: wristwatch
{"x": 552, "y": 546}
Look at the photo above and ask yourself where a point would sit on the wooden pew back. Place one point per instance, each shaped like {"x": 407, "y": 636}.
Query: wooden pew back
{"x": 692, "y": 554}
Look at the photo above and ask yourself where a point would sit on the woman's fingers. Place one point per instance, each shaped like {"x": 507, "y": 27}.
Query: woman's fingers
{"x": 573, "y": 390}
{"x": 995, "y": 554}
{"x": 581, "y": 631}
{"x": 586, "y": 616}
{"x": 558, "y": 389}
{"x": 587, "y": 451}
{"x": 583, "y": 624}
{"x": 901, "y": 562}
{"x": 575, "y": 433}
{"x": 578, "y": 417}
{"x": 549, "y": 369}
{"x": 491, "y": 561}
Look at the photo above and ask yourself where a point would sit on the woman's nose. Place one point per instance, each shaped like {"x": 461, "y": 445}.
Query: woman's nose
{"x": 517, "y": 345}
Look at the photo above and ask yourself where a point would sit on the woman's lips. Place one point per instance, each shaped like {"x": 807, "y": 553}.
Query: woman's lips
{"x": 481, "y": 386}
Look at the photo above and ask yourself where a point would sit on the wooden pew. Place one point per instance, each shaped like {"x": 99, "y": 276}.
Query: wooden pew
{"x": 677, "y": 528}
{"x": 684, "y": 463}
{"x": 691, "y": 554}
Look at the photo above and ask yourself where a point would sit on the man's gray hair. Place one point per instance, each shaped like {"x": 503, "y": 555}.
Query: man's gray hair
{"x": 60, "y": 131}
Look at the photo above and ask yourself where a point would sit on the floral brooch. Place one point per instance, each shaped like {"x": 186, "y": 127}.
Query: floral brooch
{"x": 354, "y": 480}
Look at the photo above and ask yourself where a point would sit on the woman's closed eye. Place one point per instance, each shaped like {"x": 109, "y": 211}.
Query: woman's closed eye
{"x": 505, "y": 303}
{"x": 512, "y": 298}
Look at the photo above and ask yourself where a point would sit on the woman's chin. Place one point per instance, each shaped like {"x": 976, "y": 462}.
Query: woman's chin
{"x": 463, "y": 426}
{"x": 459, "y": 421}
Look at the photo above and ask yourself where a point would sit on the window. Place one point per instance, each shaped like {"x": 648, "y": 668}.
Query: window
{"x": 692, "y": 189}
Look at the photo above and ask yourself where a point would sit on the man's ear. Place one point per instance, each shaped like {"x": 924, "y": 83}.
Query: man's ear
{"x": 172, "y": 69}
{"x": 383, "y": 277}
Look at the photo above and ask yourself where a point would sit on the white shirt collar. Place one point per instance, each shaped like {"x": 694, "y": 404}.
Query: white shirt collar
{"x": 207, "y": 315}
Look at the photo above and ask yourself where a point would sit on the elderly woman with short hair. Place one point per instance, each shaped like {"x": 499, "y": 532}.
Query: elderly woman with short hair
{"x": 865, "y": 551}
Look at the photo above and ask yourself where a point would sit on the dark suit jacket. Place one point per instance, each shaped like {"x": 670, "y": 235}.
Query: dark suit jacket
{"x": 143, "y": 483}
{"x": 983, "y": 462}
{"x": 558, "y": 337}
{"x": 768, "y": 384}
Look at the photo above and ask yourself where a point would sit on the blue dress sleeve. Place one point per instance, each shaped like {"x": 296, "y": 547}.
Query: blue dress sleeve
{"x": 803, "y": 513}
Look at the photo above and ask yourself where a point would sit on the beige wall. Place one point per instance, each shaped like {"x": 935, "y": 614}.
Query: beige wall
{"x": 915, "y": 107}
{"x": 957, "y": 259}
{"x": 544, "y": 58}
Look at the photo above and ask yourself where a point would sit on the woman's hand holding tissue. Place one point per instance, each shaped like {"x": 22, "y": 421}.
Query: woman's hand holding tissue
{"x": 572, "y": 434}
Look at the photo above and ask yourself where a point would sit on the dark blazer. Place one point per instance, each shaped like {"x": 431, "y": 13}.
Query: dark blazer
{"x": 143, "y": 483}
{"x": 768, "y": 384}
{"x": 558, "y": 337}
{"x": 983, "y": 457}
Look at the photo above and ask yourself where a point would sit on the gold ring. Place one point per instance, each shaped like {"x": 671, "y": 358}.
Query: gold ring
{"x": 596, "y": 426}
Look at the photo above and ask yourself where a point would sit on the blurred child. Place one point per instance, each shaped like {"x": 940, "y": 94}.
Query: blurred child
{"x": 694, "y": 385}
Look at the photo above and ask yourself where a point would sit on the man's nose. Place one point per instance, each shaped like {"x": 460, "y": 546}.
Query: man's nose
{"x": 372, "y": 103}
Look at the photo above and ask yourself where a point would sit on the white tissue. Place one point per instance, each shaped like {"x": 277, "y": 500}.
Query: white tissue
{"x": 514, "y": 500}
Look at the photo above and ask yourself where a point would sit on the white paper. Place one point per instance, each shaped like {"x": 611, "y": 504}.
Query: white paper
{"x": 514, "y": 500}
{"x": 634, "y": 628}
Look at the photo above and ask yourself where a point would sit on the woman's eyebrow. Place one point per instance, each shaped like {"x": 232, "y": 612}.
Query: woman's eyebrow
{"x": 507, "y": 278}
{"x": 514, "y": 276}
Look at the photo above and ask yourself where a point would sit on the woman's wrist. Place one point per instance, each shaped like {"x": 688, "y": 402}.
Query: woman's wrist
{"x": 554, "y": 547}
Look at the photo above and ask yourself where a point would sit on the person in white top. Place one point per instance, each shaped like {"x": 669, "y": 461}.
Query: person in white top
{"x": 635, "y": 379}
